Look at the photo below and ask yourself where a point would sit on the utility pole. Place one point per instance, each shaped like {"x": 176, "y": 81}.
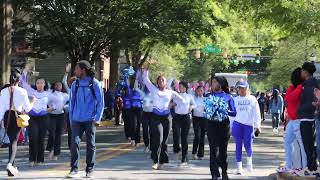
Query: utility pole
{"x": 6, "y": 14}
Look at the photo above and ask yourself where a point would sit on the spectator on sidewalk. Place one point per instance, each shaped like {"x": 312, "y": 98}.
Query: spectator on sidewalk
{"x": 262, "y": 103}
{"x": 85, "y": 111}
{"x": 13, "y": 100}
{"x": 306, "y": 112}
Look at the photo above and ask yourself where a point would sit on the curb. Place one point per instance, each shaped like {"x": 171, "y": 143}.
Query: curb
{"x": 288, "y": 176}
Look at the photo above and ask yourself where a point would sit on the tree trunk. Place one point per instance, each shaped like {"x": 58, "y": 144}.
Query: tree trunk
{"x": 114, "y": 54}
{"x": 6, "y": 13}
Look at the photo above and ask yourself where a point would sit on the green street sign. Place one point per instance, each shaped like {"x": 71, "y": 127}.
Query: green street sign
{"x": 212, "y": 49}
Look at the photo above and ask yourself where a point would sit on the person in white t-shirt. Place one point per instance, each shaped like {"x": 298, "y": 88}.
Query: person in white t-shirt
{"x": 246, "y": 123}
{"x": 14, "y": 99}
{"x": 181, "y": 122}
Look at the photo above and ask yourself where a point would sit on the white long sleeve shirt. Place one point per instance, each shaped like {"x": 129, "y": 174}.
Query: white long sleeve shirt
{"x": 182, "y": 107}
{"x": 199, "y": 109}
{"x": 20, "y": 101}
{"x": 161, "y": 99}
{"x": 248, "y": 111}
{"x": 58, "y": 101}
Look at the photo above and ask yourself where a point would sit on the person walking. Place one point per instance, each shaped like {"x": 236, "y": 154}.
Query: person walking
{"x": 14, "y": 99}
{"x": 219, "y": 104}
{"x": 181, "y": 123}
{"x": 199, "y": 124}
{"x": 39, "y": 117}
{"x": 56, "y": 120}
{"x": 262, "y": 103}
{"x": 85, "y": 113}
{"x": 160, "y": 125}
{"x": 246, "y": 123}
{"x": 276, "y": 107}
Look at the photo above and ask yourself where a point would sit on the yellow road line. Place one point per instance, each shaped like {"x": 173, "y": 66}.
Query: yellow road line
{"x": 100, "y": 157}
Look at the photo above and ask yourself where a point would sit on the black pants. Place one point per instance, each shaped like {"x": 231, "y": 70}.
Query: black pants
{"x": 135, "y": 124}
{"x": 307, "y": 129}
{"x": 117, "y": 114}
{"x": 56, "y": 123}
{"x": 218, "y": 136}
{"x": 127, "y": 116}
{"x": 37, "y": 130}
{"x": 13, "y": 132}
{"x": 200, "y": 127}
{"x": 160, "y": 127}
{"x": 262, "y": 113}
{"x": 181, "y": 126}
{"x": 146, "y": 126}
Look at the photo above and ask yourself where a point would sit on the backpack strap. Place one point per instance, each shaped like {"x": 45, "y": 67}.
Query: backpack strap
{"x": 92, "y": 89}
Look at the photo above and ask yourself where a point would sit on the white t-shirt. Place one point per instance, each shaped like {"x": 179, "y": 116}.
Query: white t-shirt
{"x": 58, "y": 101}
{"x": 183, "y": 106}
{"x": 248, "y": 111}
{"x": 199, "y": 109}
{"x": 20, "y": 101}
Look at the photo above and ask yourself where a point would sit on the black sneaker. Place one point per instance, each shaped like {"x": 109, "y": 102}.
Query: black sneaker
{"x": 89, "y": 174}
{"x": 225, "y": 176}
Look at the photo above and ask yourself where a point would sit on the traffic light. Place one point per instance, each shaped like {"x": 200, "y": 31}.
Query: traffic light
{"x": 257, "y": 58}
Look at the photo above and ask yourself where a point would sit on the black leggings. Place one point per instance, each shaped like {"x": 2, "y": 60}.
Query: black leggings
{"x": 56, "y": 124}
{"x": 13, "y": 132}
{"x": 127, "y": 116}
{"x": 160, "y": 127}
{"x": 218, "y": 136}
{"x": 146, "y": 126}
{"x": 135, "y": 124}
{"x": 200, "y": 127}
{"x": 37, "y": 130}
{"x": 181, "y": 126}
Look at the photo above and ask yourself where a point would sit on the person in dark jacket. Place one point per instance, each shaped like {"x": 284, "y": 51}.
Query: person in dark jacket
{"x": 262, "y": 103}
{"x": 306, "y": 112}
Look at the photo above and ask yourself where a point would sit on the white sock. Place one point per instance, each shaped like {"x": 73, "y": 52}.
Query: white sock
{"x": 249, "y": 164}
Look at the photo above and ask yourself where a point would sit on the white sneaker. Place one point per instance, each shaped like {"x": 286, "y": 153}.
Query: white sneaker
{"x": 12, "y": 171}
{"x": 239, "y": 168}
{"x": 249, "y": 164}
{"x": 276, "y": 131}
{"x": 184, "y": 164}
{"x": 157, "y": 166}
{"x": 178, "y": 156}
{"x": 133, "y": 143}
{"x": 55, "y": 158}
{"x": 146, "y": 150}
{"x": 51, "y": 155}
{"x": 73, "y": 174}
{"x": 194, "y": 157}
{"x": 306, "y": 173}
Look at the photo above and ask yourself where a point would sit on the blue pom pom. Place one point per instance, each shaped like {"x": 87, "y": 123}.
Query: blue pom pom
{"x": 216, "y": 109}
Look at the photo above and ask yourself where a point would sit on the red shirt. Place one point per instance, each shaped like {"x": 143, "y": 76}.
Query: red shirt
{"x": 292, "y": 98}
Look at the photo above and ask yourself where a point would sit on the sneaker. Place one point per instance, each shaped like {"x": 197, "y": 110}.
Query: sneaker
{"x": 157, "y": 166}
{"x": 214, "y": 177}
{"x": 32, "y": 163}
{"x": 284, "y": 170}
{"x": 184, "y": 164}
{"x": 89, "y": 174}
{"x": 133, "y": 143}
{"x": 194, "y": 157}
{"x": 55, "y": 158}
{"x": 146, "y": 150}
{"x": 50, "y": 155}
{"x": 225, "y": 176}
{"x": 12, "y": 171}
{"x": 306, "y": 173}
{"x": 40, "y": 164}
{"x": 73, "y": 174}
{"x": 276, "y": 131}
{"x": 178, "y": 156}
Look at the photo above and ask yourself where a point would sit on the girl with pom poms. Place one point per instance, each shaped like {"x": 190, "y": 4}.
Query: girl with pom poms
{"x": 219, "y": 105}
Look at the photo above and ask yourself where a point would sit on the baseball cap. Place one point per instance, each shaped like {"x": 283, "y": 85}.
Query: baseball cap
{"x": 243, "y": 84}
